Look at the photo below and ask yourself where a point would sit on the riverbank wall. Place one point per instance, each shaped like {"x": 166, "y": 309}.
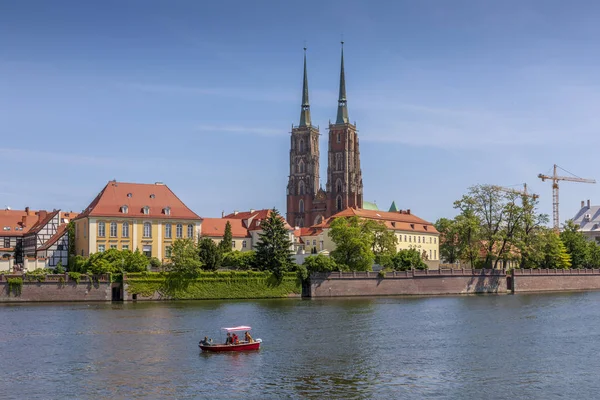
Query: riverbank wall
{"x": 554, "y": 280}
{"x": 46, "y": 288}
{"x": 414, "y": 282}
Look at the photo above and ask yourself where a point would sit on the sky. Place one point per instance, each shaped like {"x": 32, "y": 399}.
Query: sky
{"x": 202, "y": 96}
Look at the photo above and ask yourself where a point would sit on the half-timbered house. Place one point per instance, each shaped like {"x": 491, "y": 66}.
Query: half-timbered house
{"x": 49, "y": 238}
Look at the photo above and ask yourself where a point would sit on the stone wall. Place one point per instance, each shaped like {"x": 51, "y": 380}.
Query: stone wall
{"x": 437, "y": 282}
{"x": 53, "y": 288}
{"x": 546, "y": 280}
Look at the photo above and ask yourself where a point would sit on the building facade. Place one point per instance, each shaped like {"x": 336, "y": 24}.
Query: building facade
{"x": 308, "y": 203}
{"x": 135, "y": 216}
{"x": 251, "y": 222}
{"x": 588, "y": 220}
{"x": 48, "y": 238}
{"x": 13, "y": 226}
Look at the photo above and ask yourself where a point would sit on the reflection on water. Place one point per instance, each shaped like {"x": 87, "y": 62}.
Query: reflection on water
{"x": 522, "y": 346}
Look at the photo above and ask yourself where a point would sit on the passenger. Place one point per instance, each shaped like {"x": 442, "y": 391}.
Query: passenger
{"x": 205, "y": 341}
{"x": 248, "y": 338}
{"x": 229, "y": 339}
{"x": 235, "y": 339}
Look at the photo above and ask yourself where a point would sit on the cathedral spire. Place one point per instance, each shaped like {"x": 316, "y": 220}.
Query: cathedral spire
{"x": 342, "y": 113}
{"x": 305, "y": 113}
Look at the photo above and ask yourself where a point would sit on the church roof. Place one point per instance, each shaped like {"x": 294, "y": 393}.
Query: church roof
{"x": 367, "y": 205}
{"x": 393, "y": 207}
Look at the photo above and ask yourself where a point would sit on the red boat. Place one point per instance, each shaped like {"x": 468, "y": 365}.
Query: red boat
{"x": 242, "y": 345}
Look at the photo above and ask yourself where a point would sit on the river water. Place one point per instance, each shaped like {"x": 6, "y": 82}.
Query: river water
{"x": 539, "y": 346}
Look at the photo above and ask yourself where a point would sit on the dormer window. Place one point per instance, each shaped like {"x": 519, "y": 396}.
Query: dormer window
{"x": 152, "y": 196}
{"x": 146, "y": 210}
{"x": 167, "y": 210}
{"x": 124, "y": 209}
{"x": 129, "y": 195}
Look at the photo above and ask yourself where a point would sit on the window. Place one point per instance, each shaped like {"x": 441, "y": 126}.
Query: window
{"x": 179, "y": 231}
{"x": 113, "y": 246}
{"x": 423, "y": 239}
{"x": 419, "y": 239}
{"x": 125, "y": 230}
{"x": 430, "y": 255}
{"x": 339, "y": 138}
{"x": 101, "y": 248}
{"x": 6, "y": 243}
{"x": 147, "y": 250}
{"x": 146, "y": 210}
{"x": 113, "y": 229}
{"x": 434, "y": 240}
{"x": 152, "y": 196}
{"x": 168, "y": 231}
{"x": 125, "y": 247}
{"x": 168, "y": 251}
{"x": 314, "y": 242}
{"x": 321, "y": 245}
{"x": 301, "y": 167}
{"x": 435, "y": 255}
{"x": 60, "y": 247}
{"x": 301, "y": 145}
{"x": 399, "y": 238}
{"x": 124, "y": 209}
{"x": 101, "y": 229}
{"x": 76, "y": 230}
{"x": 190, "y": 231}
{"x": 129, "y": 195}
{"x": 167, "y": 210}
{"x": 85, "y": 229}
{"x": 429, "y": 239}
{"x": 405, "y": 238}
{"x": 410, "y": 239}
{"x": 301, "y": 206}
{"x": 243, "y": 244}
{"x": 233, "y": 244}
{"x": 301, "y": 189}
{"x": 339, "y": 203}
{"x": 147, "y": 230}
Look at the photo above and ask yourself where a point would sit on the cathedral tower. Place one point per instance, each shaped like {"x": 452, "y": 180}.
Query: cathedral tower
{"x": 303, "y": 182}
{"x": 344, "y": 176}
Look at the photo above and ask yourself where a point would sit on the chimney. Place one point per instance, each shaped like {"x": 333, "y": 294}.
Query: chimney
{"x": 588, "y": 203}
{"x": 235, "y": 212}
{"x": 408, "y": 211}
{"x": 42, "y": 214}
{"x": 582, "y": 203}
{"x": 252, "y": 210}
{"x": 23, "y": 220}
{"x": 26, "y": 210}
{"x": 223, "y": 214}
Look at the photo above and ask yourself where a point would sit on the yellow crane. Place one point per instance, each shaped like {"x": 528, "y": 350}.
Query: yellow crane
{"x": 555, "y": 178}
{"x": 523, "y": 192}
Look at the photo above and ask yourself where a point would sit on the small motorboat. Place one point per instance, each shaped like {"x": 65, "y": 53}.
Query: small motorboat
{"x": 241, "y": 345}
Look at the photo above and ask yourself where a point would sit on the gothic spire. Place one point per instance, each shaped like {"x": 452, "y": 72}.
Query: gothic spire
{"x": 305, "y": 113}
{"x": 342, "y": 113}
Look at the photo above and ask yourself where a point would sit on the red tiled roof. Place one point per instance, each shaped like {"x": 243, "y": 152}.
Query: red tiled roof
{"x": 400, "y": 220}
{"x": 61, "y": 231}
{"x": 13, "y": 219}
{"x": 310, "y": 231}
{"x": 253, "y": 218}
{"x": 215, "y": 227}
{"x": 41, "y": 223}
{"x": 156, "y": 196}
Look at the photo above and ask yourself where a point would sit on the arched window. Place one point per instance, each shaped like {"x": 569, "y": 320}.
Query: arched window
{"x": 190, "y": 231}
{"x": 113, "y": 229}
{"x": 301, "y": 189}
{"x": 339, "y": 203}
{"x": 301, "y": 167}
{"x": 168, "y": 231}
{"x": 101, "y": 229}
{"x": 339, "y": 139}
{"x": 301, "y": 145}
{"x": 338, "y": 186}
{"x": 179, "y": 231}
{"x": 125, "y": 229}
{"x": 147, "y": 230}
{"x": 301, "y": 206}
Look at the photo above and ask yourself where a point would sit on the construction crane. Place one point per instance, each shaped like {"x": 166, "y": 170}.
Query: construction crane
{"x": 523, "y": 192}
{"x": 555, "y": 178}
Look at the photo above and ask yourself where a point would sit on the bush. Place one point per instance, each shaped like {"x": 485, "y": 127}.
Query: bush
{"x": 243, "y": 260}
{"x": 155, "y": 263}
{"x": 59, "y": 268}
{"x": 408, "y": 259}
{"x": 320, "y": 263}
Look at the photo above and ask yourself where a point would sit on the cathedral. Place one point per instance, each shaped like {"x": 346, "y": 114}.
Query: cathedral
{"x": 307, "y": 202}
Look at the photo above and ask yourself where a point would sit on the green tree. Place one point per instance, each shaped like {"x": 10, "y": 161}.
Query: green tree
{"x": 576, "y": 244}
{"x": 593, "y": 255}
{"x": 353, "y": 244}
{"x": 273, "y": 249}
{"x": 155, "y": 262}
{"x": 449, "y": 240}
{"x": 320, "y": 263}
{"x": 225, "y": 244}
{"x": 468, "y": 228}
{"x": 210, "y": 254}
{"x": 184, "y": 258}
{"x": 133, "y": 261}
{"x": 243, "y": 260}
{"x": 384, "y": 241}
{"x": 408, "y": 259}
{"x": 555, "y": 252}
{"x": 71, "y": 237}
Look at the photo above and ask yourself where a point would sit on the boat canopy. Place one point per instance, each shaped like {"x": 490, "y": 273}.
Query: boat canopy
{"x": 237, "y": 328}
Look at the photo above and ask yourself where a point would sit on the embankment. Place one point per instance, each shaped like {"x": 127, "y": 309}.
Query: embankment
{"x": 23, "y": 288}
{"x": 554, "y": 280}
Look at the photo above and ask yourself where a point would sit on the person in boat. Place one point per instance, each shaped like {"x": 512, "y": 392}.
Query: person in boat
{"x": 205, "y": 341}
{"x": 248, "y": 338}
{"x": 235, "y": 339}
{"x": 229, "y": 339}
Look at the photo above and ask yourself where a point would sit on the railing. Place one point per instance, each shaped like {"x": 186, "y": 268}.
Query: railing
{"x": 55, "y": 278}
{"x": 546, "y": 272}
{"x": 409, "y": 274}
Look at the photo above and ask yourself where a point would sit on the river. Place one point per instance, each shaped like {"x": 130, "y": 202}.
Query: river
{"x": 540, "y": 346}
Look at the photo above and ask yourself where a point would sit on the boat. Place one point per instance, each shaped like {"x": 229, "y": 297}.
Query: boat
{"x": 242, "y": 345}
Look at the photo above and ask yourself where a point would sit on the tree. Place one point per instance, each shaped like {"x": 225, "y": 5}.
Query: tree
{"x": 273, "y": 249}
{"x": 225, "y": 244}
{"x": 468, "y": 229}
{"x": 555, "y": 252}
{"x": 243, "y": 260}
{"x": 576, "y": 244}
{"x": 71, "y": 237}
{"x": 184, "y": 258}
{"x": 384, "y": 241}
{"x": 210, "y": 254}
{"x": 320, "y": 263}
{"x": 155, "y": 262}
{"x": 449, "y": 239}
{"x": 408, "y": 259}
{"x": 353, "y": 244}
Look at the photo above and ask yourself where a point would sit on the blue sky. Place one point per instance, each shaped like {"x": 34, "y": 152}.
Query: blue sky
{"x": 202, "y": 95}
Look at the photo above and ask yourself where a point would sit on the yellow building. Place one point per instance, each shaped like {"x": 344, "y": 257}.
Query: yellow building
{"x": 148, "y": 217}
{"x": 412, "y": 232}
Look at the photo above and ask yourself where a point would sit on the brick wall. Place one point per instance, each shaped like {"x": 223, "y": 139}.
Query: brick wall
{"x": 438, "y": 282}
{"x": 53, "y": 290}
{"x": 543, "y": 280}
